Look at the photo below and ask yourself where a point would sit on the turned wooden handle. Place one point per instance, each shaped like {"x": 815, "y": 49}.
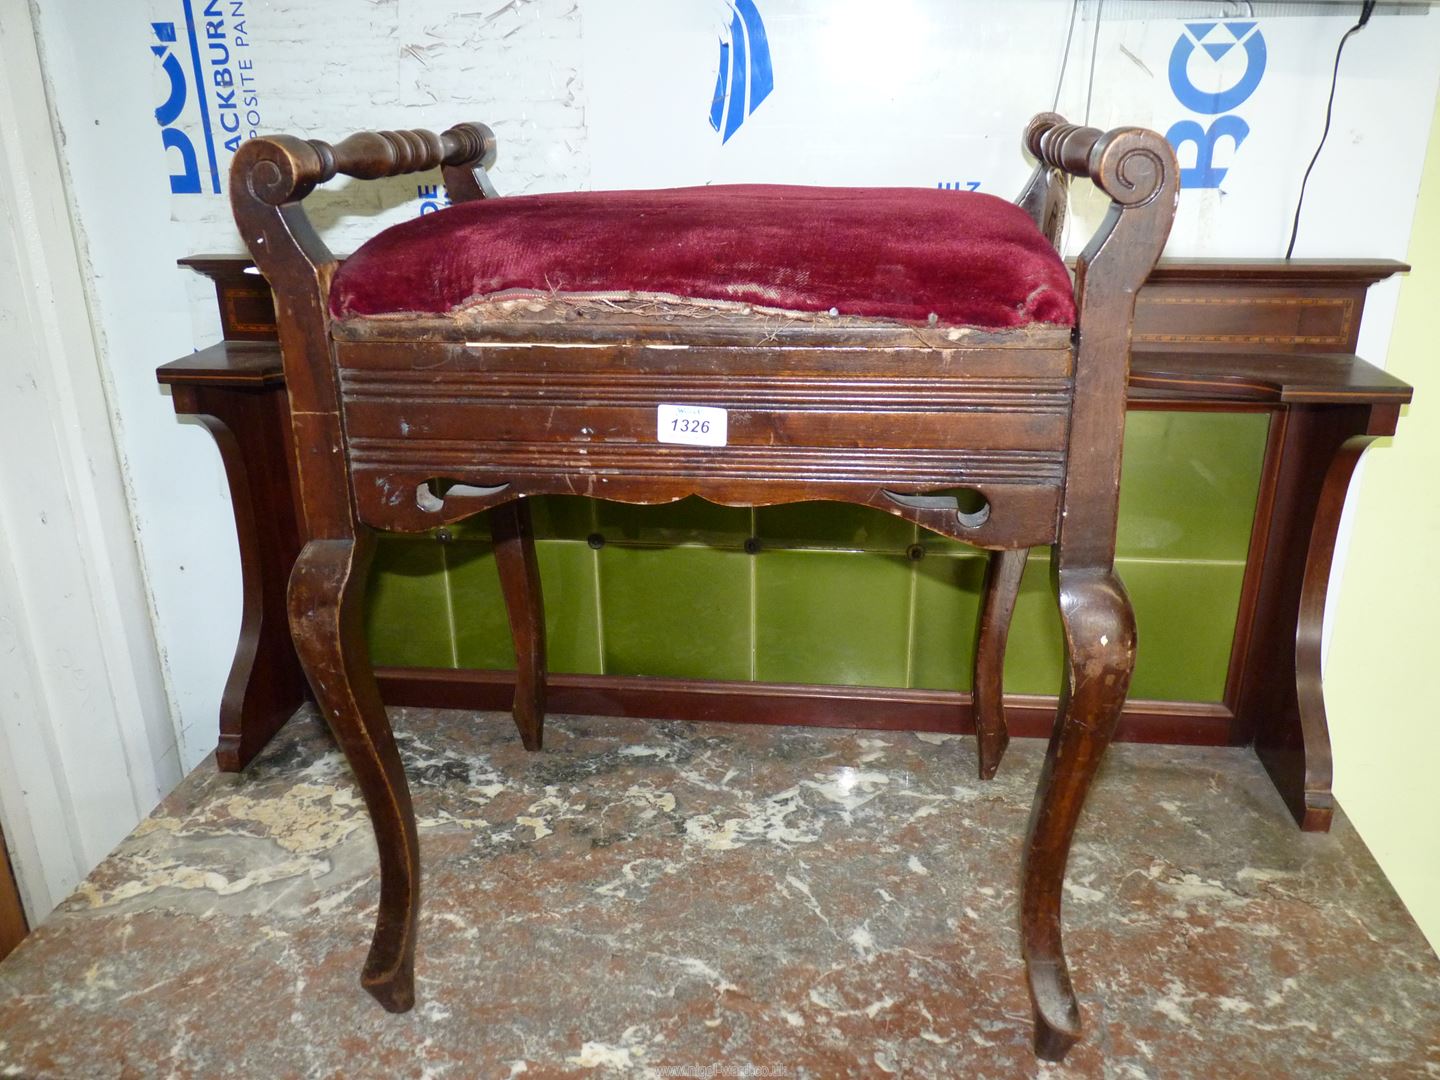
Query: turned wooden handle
{"x": 370, "y": 155}
{"x": 1130, "y": 164}
{"x": 1060, "y": 144}
{"x": 277, "y": 169}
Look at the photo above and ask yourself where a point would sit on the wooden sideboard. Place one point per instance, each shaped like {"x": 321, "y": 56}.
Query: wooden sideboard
{"x": 13, "y": 926}
{"x": 1269, "y": 336}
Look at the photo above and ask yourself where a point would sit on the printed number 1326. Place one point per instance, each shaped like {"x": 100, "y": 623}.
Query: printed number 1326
{"x": 694, "y": 425}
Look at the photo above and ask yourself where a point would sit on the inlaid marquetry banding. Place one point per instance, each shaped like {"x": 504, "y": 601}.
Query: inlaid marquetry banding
{"x": 1240, "y": 339}
{"x": 1347, "y": 320}
{"x": 236, "y": 321}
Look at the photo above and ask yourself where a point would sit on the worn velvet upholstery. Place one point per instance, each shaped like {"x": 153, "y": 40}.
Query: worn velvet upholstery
{"x": 966, "y": 258}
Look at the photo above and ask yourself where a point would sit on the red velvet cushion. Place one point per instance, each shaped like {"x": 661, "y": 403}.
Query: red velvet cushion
{"x": 897, "y": 253}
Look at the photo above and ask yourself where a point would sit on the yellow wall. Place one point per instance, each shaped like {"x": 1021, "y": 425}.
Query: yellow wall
{"x": 1382, "y": 681}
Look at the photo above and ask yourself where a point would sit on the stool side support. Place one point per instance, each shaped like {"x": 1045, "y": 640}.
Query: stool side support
{"x": 1137, "y": 169}
{"x": 998, "y": 595}
{"x": 270, "y": 178}
{"x": 327, "y": 599}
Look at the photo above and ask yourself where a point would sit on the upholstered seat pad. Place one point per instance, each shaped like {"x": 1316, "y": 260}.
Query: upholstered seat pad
{"x": 965, "y": 258}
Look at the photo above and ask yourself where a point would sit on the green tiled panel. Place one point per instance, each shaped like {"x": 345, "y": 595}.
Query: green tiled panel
{"x": 831, "y": 617}
{"x": 475, "y": 527}
{"x": 1184, "y": 614}
{"x": 555, "y": 517}
{"x": 407, "y": 617}
{"x": 843, "y": 526}
{"x": 947, "y": 603}
{"x": 1189, "y": 484}
{"x": 567, "y": 583}
{"x": 688, "y": 521}
{"x": 1185, "y": 618}
{"x": 572, "y": 633}
{"x": 563, "y": 517}
{"x": 682, "y": 612}
{"x": 1035, "y": 651}
{"x": 482, "y": 629}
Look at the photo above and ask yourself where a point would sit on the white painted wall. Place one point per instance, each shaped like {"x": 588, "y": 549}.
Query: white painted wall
{"x": 610, "y": 93}
{"x": 86, "y": 742}
{"x": 105, "y": 84}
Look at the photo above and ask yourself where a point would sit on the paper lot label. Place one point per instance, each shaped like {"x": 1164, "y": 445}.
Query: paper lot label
{"x": 692, "y": 425}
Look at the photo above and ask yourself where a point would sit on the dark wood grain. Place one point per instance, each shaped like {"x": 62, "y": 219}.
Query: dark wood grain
{"x": 1099, "y": 660}
{"x": 239, "y": 365}
{"x": 1192, "y": 306}
{"x": 1279, "y": 700}
{"x": 326, "y": 616}
{"x": 251, "y": 428}
{"x": 514, "y": 539}
{"x": 1275, "y": 377}
{"x": 1179, "y": 377}
{"x": 1262, "y": 307}
{"x": 268, "y": 179}
{"x": 1004, "y": 571}
{"x": 874, "y": 708}
{"x": 1045, "y": 196}
{"x": 13, "y": 927}
{"x": 1137, "y": 169}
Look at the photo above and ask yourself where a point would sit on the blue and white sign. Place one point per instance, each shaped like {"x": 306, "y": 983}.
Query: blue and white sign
{"x": 744, "y": 78}
{"x": 1205, "y": 46}
{"x": 212, "y": 103}
{"x": 186, "y": 95}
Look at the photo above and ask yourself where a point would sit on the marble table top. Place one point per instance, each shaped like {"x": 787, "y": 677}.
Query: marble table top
{"x": 668, "y": 899}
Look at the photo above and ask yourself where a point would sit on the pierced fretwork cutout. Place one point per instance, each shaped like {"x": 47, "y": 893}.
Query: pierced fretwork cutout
{"x": 970, "y": 519}
{"x": 432, "y": 495}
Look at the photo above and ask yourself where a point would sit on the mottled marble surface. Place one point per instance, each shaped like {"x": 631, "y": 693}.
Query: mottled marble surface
{"x": 641, "y": 896}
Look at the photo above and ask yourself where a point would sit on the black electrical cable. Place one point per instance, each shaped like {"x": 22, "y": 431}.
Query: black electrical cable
{"x": 1065, "y": 56}
{"x": 1366, "y": 9}
{"x": 1094, "y": 52}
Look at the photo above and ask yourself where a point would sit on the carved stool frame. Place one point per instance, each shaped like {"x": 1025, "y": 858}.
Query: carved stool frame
{"x": 876, "y": 413}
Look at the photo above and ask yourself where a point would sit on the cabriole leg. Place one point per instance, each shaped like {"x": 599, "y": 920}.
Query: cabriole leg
{"x": 326, "y": 607}
{"x": 1100, "y": 656}
{"x": 987, "y": 690}
{"x": 524, "y": 603}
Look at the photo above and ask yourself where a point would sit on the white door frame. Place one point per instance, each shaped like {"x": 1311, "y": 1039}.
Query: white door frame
{"x": 88, "y": 745}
